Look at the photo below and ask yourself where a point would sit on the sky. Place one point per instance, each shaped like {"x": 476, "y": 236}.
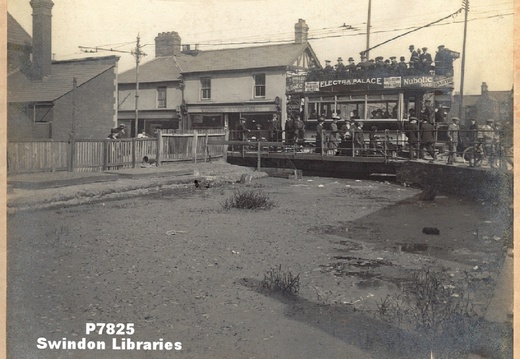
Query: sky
{"x": 336, "y": 28}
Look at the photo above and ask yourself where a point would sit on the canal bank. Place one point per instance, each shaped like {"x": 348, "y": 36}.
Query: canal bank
{"x": 480, "y": 183}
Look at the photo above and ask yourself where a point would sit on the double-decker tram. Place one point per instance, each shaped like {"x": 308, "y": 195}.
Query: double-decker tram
{"x": 383, "y": 101}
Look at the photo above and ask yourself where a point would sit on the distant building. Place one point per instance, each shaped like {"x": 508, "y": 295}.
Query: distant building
{"x": 184, "y": 88}
{"x": 42, "y": 100}
{"x": 496, "y": 105}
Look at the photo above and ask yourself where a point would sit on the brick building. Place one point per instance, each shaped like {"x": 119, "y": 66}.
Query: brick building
{"x": 44, "y": 102}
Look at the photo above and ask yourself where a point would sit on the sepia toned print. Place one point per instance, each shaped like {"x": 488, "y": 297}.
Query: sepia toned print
{"x": 259, "y": 179}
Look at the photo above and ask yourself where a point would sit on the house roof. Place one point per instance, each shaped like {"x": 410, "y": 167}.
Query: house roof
{"x": 170, "y": 68}
{"x": 246, "y": 58}
{"x": 159, "y": 69}
{"x": 16, "y": 34}
{"x": 21, "y": 89}
{"x": 501, "y": 96}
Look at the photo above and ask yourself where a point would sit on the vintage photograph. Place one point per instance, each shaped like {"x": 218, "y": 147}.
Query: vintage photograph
{"x": 260, "y": 179}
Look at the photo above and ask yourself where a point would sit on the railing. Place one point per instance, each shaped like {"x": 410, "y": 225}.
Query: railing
{"x": 493, "y": 146}
{"x": 98, "y": 155}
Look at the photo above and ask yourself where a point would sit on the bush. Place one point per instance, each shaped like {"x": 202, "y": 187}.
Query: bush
{"x": 276, "y": 280}
{"x": 248, "y": 200}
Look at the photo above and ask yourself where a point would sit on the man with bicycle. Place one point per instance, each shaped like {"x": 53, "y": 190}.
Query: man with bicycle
{"x": 453, "y": 137}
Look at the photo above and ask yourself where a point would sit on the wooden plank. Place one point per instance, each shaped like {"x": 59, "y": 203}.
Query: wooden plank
{"x": 220, "y": 142}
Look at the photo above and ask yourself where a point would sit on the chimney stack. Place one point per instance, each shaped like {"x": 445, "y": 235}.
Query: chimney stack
{"x": 167, "y": 44}
{"x": 301, "y": 32}
{"x": 484, "y": 88}
{"x": 42, "y": 38}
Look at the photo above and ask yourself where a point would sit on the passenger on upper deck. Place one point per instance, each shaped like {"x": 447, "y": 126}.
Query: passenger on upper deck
{"x": 425, "y": 61}
{"x": 414, "y": 57}
{"x": 394, "y": 65}
{"x": 402, "y": 66}
{"x": 351, "y": 67}
{"x": 340, "y": 69}
{"x": 440, "y": 61}
{"x": 328, "y": 71}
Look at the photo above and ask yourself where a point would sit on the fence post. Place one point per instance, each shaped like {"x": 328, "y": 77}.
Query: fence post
{"x": 225, "y": 147}
{"x": 259, "y": 158}
{"x": 105, "y": 154}
{"x": 159, "y": 148}
{"x": 72, "y": 153}
{"x": 133, "y": 152}
{"x": 206, "y": 148}
{"x": 194, "y": 146}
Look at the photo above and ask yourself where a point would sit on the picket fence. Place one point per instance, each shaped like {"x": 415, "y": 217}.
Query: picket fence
{"x": 83, "y": 155}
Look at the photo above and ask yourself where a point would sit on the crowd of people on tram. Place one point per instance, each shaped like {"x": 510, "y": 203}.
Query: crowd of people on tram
{"x": 349, "y": 136}
{"x": 420, "y": 62}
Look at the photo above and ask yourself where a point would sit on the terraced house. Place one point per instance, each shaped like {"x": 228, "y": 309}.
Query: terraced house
{"x": 185, "y": 88}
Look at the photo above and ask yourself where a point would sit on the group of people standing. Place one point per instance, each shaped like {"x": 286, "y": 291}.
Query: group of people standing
{"x": 419, "y": 63}
{"x": 348, "y": 136}
{"x": 421, "y": 138}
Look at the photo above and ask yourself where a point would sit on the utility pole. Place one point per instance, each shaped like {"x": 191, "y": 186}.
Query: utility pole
{"x": 465, "y": 3}
{"x": 368, "y": 27}
{"x": 138, "y": 54}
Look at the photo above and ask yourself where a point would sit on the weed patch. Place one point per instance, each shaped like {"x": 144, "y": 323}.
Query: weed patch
{"x": 276, "y": 280}
{"x": 248, "y": 200}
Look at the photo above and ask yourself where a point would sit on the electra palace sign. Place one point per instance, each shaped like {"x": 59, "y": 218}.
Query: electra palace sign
{"x": 376, "y": 83}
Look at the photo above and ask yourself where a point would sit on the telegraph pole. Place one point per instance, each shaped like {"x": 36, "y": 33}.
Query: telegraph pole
{"x": 368, "y": 27}
{"x": 465, "y": 3}
{"x": 138, "y": 54}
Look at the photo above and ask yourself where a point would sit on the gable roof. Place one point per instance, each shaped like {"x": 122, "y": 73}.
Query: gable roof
{"x": 159, "y": 69}
{"x": 16, "y": 34}
{"x": 21, "y": 89}
{"x": 170, "y": 68}
{"x": 247, "y": 58}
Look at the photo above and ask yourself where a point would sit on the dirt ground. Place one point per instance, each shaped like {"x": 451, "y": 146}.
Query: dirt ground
{"x": 183, "y": 269}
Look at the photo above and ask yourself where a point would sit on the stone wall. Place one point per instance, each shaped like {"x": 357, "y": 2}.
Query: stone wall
{"x": 468, "y": 182}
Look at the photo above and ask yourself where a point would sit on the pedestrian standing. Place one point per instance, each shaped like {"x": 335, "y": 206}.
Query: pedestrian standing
{"x": 427, "y": 139}
{"x": 453, "y": 138}
{"x": 299, "y": 131}
{"x": 412, "y": 134}
{"x": 274, "y": 129}
{"x": 472, "y": 132}
{"x": 359, "y": 140}
{"x": 320, "y": 134}
{"x": 334, "y": 134}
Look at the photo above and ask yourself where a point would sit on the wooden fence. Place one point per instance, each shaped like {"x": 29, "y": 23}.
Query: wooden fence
{"x": 99, "y": 155}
